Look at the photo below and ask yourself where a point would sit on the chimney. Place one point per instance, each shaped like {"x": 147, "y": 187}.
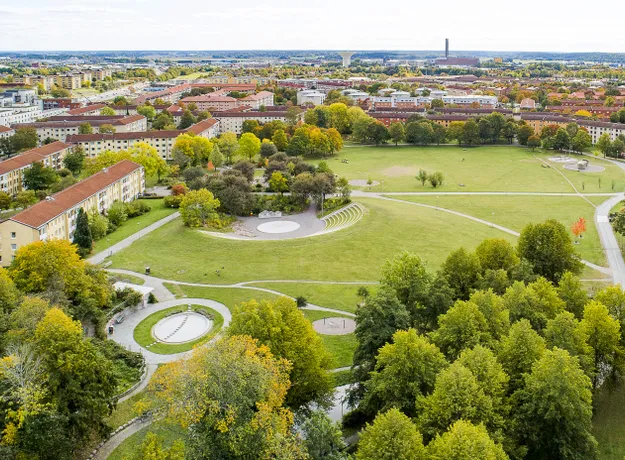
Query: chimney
{"x": 446, "y": 48}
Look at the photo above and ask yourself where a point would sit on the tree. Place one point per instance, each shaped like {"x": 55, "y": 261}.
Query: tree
{"x": 562, "y": 139}
{"x": 573, "y": 293}
{"x": 278, "y": 183}
{"x": 280, "y": 140}
{"x": 437, "y": 104}
{"x": 422, "y": 176}
{"x": 604, "y": 334}
{"x": 519, "y": 350}
{"x": 198, "y": 208}
{"x": 196, "y": 148}
{"x": 152, "y": 449}
{"x": 470, "y": 133}
{"x": 396, "y": 131}
{"x": 323, "y": 438}
{"x": 579, "y": 227}
{"x": 489, "y": 373}
{"x": 233, "y": 191}
{"x": 465, "y": 441}
{"x": 107, "y": 129}
{"x": 436, "y": 179}
{"x": 613, "y": 297}
{"x": 282, "y": 327}
{"x": 404, "y": 370}
{"x": 455, "y": 130}
{"x": 456, "y": 396}
{"x": 533, "y": 142}
{"x": 548, "y": 247}
{"x": 24, "y": 139}
{"x": 98, "y": 225}
{"x": 75, "y": 160}
{"x": 120, "y": 100}
{"x": 147, "y": 111}
{"x": 267, "y": 149}
{"x": 496, "y": 254}
{"x": 164, "y": 120}
{"x": 216, "y": 157}
{"x": 229, "y": 399}
{"x": 391, "y": 436}
{"x": 524, "y": 133}
{"x": 581, "y": 141}
{"x": 461, "y": 269}
{"x": 229, "y": 146}
{"x": 537, "y": 302}
{"x": 604, "y": 144}
{"x": 25, "y": 198}
{"x": 79, "y": 377}
{"x": 463, "y": 326}
{"x": 107, "y": 111}
{"x": 117, "y": 213}
{"x": 186, "y": 120}
{"x": 148, "y": 157}
{"x": 378, "y": 133}
{"x": 39, "y": 177}
{"x": 554, "y": 415}
{"x": 419, "y": 132}
{"x": 566, "y": 332}
{"x": 85, "y": 128}
{"x": 5, "y": 201}
{"x": 82, "y": 234}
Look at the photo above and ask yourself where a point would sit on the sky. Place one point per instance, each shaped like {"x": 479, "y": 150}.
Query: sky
{"x": 489, "y": 25}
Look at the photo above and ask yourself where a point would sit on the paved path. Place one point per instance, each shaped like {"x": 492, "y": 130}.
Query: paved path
{"x": 110, "y": 445}
{"x": 99, "y": 257}
{"x": 124, "y": 332}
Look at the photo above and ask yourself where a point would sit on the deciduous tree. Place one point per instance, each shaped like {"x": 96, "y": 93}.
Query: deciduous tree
{"x": 198, "y": 208}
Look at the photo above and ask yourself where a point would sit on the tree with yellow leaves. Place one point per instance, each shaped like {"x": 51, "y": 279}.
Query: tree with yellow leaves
{"x": 229, "y": 397}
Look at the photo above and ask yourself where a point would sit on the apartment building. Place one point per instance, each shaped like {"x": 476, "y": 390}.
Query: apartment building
{"x": 14, "y": 115}
{"x": 55, "y": 217}
{"x": 68, "y": 81}
{"x": 310, "y": 97}
{"x": 233, "y": 121}
{"x": 162, "y": 141}
{"x": 46, "y": 81}
{"x": 91, "y": 109}
{"x": 61, "y": 128}
{"x": 482, "y": 101}
{"x": 5, "y": 131}
{"x": 212, "y": 102}
{"x": 101, "y": 74}
{"x": 12, "y": 169}
{"x": 262, "y": 98}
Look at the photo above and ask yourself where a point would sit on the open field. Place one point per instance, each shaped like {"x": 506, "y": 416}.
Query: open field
{"x": 337, "y": 296}
{"x": 230, "y": 297}
{"x": 352, "y": 254}
{"x": 609, "y": 423}
{"x": 143, "y": 331}
{"x": 487, "y": 168}
{"x": 515, "y": 212}
{"x": 135, "y": 224}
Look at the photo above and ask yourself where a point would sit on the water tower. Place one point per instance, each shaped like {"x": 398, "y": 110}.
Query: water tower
{"x": 347, "y": 57}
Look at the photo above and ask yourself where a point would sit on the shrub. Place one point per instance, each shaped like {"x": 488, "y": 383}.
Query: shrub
{"x": 137, "y": 208}
{"x": 117, "y": 214}
{"x": 173, "y": 201}
{"x": 152, "y": 298}
{"x": 98, "y": 224}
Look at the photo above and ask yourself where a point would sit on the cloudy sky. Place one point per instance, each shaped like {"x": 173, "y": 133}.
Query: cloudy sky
{"x": 531, "y": 25}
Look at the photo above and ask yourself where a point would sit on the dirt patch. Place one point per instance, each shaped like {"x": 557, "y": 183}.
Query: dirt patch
{"x": 400, "y": 171}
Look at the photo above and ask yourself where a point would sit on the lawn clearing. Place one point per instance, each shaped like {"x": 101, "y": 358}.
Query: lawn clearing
{"x": 609, "y": 423}
{"x": 125, "y": 411}
{"x": 230, "y": 297}
{"x": 129, "y": 448}
{"x": 143, "y": 332}
{"x": 515, "y": 212}
{"x": 338, "y": 296}
{"x": 484, "y": 168}
{"x": 131, "y": 226}
{"x": 351, "y": 254}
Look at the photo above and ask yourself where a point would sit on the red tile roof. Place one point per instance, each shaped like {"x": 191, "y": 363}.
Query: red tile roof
{"x": 208, "y": 98}
{"x": 31, "y": 156}
{"x": 86, "y": 109}
{"x": 5, "y": 129}
{"x": 46, "y": 210}
{"x": 202, "y": 126}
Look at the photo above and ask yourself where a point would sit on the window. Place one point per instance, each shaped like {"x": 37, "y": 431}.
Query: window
{"x": 13, "y": 247}
{"x": 13, "y": 235}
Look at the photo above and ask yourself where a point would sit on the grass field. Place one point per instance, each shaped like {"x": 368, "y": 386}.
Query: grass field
{"x": 129, "y": 448}
{"x": 609, "y": 424}
{"x": 353, "y": 254}
{"x": 337, "y": 296}
{"x": 485, "y": 168}
{"x": 133, "y": 225}
{"x": 143, "y": 332}
{"x": 515, "y": 212}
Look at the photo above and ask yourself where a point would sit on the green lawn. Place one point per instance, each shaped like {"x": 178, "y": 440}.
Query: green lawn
{"x": 341, "y": 347}
{"x": 352, "y": 254}
{"x": 129, "y": 448}
{"x": 143, "y": 332}
{"x": 515, "y": 212}
{"x": 133, "y": 225}
{"x": 230, "y": 297}
{"x": 124, "y": 412}
{"x": 609, "y": 423}
{"x": 485, "y": 168}
{"x": 337, "y": 296}
{"x": 124, "y": 278}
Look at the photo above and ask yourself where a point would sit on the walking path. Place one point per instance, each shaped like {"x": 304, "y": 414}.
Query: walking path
{"x": 114, "y": 442}
{"x": 99, "y": 257}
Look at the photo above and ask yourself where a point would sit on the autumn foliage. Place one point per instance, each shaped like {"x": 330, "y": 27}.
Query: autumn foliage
{"x": 579, "y": 227}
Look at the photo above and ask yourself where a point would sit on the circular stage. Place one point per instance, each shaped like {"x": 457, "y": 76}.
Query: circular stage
{"x": 182, "y": 327}
{"x": 278, "y": 226}
{"x": 335, "y": 326}
{"x": 589, "y": 168}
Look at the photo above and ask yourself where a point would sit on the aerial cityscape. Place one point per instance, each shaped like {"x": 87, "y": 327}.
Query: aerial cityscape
{"x": 240, "y": 233}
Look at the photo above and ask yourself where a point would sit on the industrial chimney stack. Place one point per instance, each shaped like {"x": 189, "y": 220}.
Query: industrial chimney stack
{"x": 446, "y": 48}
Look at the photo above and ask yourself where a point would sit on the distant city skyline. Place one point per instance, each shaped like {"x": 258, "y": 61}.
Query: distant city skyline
{"x": 48, "y": 25}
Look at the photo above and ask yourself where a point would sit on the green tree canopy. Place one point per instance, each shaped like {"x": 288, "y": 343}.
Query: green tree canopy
{"x": 465, "y": 441}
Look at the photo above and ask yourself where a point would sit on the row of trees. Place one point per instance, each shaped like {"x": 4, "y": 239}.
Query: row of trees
{"x": 23, "y": 139}
{"x": 456, "y": 357}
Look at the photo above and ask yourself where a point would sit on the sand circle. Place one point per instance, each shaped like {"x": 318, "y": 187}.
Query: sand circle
{"x": 278, "y": 226}
{"x": 589, "y": 168}
{"x": 335, "y": 326}
{"x": 362, "y": 183}
{"x": 182, "y": 327}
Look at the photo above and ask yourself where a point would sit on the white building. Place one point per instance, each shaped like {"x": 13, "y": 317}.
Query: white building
{"x": 310, "y": 96}
{"x": 255, "y": 101}
{"x": 233, "y": 121}
{"x": 470, "y": 99}
{"x": 30, "y": 114}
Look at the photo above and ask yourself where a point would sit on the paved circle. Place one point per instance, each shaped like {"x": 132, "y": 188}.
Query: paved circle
{"x": 182, "y": 327}
{"x": 335, "y": 326}
{"x": 589, "y": 168}
{"x": 278, "y": 226}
